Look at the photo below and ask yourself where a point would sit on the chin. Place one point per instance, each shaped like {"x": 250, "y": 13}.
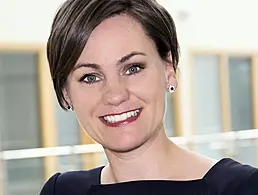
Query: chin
{"x": 124, "y": 146}
{"x": 125, "y": 149}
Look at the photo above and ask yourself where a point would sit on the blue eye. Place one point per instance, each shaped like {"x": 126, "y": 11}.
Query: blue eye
{"x": 133, "y": 70}
{"x": 90, "y": 78}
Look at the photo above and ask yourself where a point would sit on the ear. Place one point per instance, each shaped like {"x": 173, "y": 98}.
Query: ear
{"x": 67, "y": 97}
{"x": 170, "y": 72}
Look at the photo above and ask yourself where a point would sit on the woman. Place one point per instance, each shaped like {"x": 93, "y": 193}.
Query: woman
{"x": 112, "y": 63}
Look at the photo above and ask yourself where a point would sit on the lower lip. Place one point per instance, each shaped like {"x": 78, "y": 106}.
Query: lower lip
{"x": 124, "y": 122}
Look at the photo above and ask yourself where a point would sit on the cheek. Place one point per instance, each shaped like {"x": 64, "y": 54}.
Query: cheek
{"x": 149, "y": 87}
{"x": 84, "y": 99}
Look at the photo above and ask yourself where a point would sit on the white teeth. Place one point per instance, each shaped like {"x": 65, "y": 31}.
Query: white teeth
{"x": 128, "y": 114}
{"x": 117, "y": 117}
{"x": 124, "y": 116}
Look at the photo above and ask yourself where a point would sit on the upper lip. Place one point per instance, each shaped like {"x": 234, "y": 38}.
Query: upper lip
{"x": 120, "y": 112}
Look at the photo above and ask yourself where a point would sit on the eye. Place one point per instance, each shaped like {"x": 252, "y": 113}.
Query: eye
{"x": 90, "y": 78}
{"x": 133, "y": 70}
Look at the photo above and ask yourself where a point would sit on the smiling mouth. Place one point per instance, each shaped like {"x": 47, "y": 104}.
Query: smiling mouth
{"x": 121, "y": 119}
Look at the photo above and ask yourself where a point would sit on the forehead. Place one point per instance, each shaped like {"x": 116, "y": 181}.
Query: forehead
{"x": 115, "y": 37}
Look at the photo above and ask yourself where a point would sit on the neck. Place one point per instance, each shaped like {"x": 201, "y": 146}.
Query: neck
{"x": 150, "y": 161}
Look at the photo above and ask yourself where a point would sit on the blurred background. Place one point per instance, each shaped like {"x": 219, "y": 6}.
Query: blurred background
{"x": 213, "y": 112}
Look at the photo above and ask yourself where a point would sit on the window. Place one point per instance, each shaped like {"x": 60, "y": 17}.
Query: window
{"x": 240, "y": 93}
{"x": 224, "y": 88}
{"x": 20, "y": 120}
{"x": 169, "y": 119}
{"x": 27, "y": 118}
{"x": 206, "y": 95}
{"x": 67, "y": 129}
{"x": 225, "y": 99}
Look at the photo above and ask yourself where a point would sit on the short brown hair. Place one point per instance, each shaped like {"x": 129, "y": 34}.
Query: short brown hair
{"x": 76, "y": 19}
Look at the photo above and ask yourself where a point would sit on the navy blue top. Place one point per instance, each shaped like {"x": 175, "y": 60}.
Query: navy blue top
{"x": 227, "y": 177}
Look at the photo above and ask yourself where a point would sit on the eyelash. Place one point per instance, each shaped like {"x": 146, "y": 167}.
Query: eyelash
{"x": 87, "y": 76}
{"x": 140, "y": 66}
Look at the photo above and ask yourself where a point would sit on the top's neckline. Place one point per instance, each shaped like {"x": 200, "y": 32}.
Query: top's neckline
{"x": 208, "y": 173}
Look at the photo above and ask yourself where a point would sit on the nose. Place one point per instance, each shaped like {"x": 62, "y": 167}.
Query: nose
{"x": 115, "y": 94}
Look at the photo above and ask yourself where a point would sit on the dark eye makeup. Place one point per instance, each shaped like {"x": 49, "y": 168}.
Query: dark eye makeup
{"x": 131, "y": 69}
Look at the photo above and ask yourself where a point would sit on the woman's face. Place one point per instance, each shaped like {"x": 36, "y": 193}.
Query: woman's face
{"x": 118, "y": 86}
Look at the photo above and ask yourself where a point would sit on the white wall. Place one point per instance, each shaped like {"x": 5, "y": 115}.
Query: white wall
{"x": 221, "y": 24}
{"x": 216, "y": 24}
{"x": 210, "y": 23}
{"x": 225, "y": 24}
{"x": 26, "y": 20}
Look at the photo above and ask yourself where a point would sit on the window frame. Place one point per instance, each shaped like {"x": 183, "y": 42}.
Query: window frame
{"x": 223, "y": 56}
{"x": 45, "y": 91}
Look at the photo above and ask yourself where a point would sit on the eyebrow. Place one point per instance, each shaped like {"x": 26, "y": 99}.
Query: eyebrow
{"x": 120, "y": 61}
{"x": 128, "y": 56}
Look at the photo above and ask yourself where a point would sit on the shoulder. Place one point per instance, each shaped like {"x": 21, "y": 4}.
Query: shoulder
{"x": 229, "y": 176}
{"x": 250, "y": 186}
{"x": 72, "y": 182}
{"x": 49, "y": 187}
